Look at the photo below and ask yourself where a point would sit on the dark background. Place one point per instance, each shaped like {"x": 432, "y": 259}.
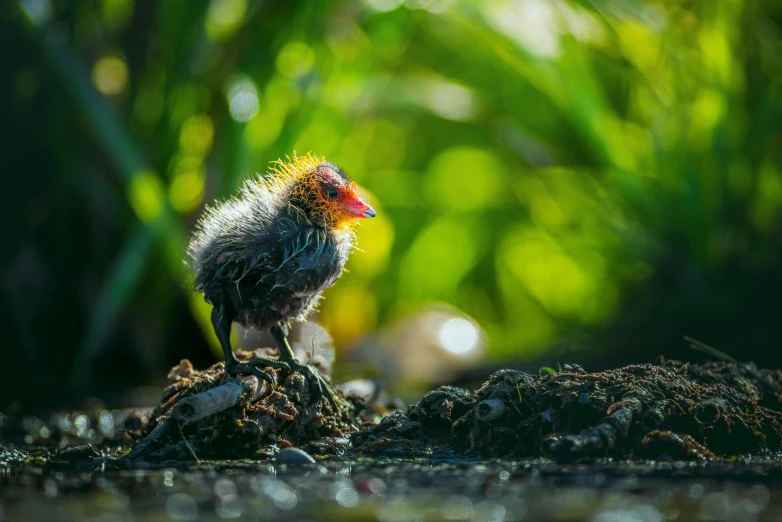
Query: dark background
{"x": 576, "y": 181}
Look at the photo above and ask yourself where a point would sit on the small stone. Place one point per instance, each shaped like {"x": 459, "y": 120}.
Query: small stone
{"x": 294, "y": 456}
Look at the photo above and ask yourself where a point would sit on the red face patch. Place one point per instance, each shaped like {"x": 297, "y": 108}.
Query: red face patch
{"x": 334, "y": 197}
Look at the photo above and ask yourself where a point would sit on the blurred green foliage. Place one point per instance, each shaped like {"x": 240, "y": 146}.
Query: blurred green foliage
{"x": 549, "y": 168}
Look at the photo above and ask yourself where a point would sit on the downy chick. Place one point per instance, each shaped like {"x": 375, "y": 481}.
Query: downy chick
{"x": 263, "y": 258}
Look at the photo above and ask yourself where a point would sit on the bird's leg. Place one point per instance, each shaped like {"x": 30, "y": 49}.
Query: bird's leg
{"x": 281, "y": 337}
{"x": 222, "y": 326}
{"x": 318, "y": 383}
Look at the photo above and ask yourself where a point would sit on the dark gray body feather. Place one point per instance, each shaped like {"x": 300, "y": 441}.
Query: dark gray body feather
{"x": 265, "y": 262}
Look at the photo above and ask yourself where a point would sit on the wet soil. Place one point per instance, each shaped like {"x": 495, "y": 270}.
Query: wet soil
{"x": 669, "y": 409}
{"x": 665, "y": 410}
{"x": 283, "y": 415}
{"x": 668, "y": 440}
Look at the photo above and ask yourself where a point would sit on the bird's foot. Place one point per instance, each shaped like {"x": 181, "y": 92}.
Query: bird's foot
{"x": 253, "y": 367}
{"x": 319, "y": 386}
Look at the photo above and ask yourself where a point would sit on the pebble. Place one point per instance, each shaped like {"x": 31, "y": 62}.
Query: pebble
{"x": 294, "y": 456}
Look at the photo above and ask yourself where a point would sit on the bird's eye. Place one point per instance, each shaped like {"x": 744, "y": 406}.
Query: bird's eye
{"x": 332, "y": 193}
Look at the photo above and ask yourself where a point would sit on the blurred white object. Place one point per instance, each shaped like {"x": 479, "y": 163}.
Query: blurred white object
{"x": 367, "y": 389}
{"x": 459, "y": 336}
{"x": 427, "y": 347}
{"x": 311, "y": 343}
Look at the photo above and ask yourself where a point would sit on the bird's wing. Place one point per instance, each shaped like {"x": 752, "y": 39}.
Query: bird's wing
{"x": 309, "y": 259}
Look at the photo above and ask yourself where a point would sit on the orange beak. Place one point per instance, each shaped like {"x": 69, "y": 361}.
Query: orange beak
{"x": 357, "y": 208}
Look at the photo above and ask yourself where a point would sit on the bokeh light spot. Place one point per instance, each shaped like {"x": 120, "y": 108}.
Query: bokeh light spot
{"x": 146, "y": 194}
{"x": 224, "y": 18}
{"x": 451, "y": 101}
{"x": 347, "y": 497}
{"x": 187, "y": 190}
{"x": 181, "y": 506}
{"x": 459, "y": 336}
{"x": 242, "y": 97}
{"x": 295, "y": 59}
{"x": 116, "y": 12}
{"x": 37, "y": 11}
{"x": 532, "y": 24}
{"x": 196, "y": 135}
{"x": 566, "y": 284}
{"x": 110, "y": 75}
{"x": 456, "y": 507}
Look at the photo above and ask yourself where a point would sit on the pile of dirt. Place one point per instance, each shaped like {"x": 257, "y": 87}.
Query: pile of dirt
{"x": 669, "y": 409}
{"x": 655, "y": 411}
{"x": 281, "y": 415}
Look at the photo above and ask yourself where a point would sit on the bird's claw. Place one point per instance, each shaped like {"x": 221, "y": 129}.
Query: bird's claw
{"x": 274, "y": 363}
{"x": 248, "y": 368}
{"x": 319, "y": 386}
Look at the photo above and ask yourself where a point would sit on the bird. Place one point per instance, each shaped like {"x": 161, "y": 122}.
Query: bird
{"x": 263, "y": 258}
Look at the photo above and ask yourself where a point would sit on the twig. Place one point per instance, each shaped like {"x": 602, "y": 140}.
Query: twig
{"x": 187, "y": 443}
{"x": 705, "y": 348}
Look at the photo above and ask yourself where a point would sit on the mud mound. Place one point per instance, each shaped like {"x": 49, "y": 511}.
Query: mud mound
{"x": 668, "y": 409}
{"x": 648, "y": 411}
{"x": 262, "y": 422}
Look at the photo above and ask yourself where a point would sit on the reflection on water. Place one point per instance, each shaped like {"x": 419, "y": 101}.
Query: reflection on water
{"x": 393, "y": 491}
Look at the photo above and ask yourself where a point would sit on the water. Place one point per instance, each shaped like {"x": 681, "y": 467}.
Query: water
{"x": 397, "y": 491}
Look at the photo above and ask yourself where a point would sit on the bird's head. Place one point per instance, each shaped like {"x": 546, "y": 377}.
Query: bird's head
{"x": 323, "y": 192}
